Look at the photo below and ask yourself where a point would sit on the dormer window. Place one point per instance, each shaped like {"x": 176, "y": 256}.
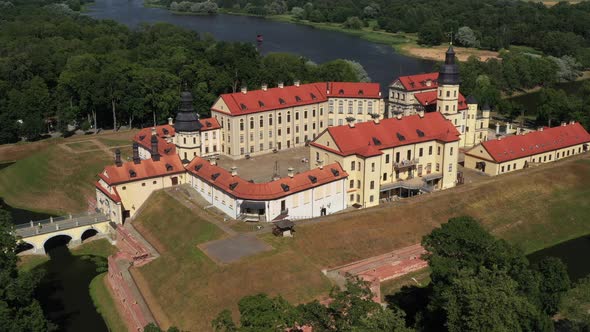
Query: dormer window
{"x": 169, "y": 167}
{"x": 285, "y": 187}
{"x": 313, "y": 97}
{"x": 215, "y": 176}
{"x": 282, "y": 101}
{"x": 361, "y": 92}
{"x": 208, "y": 124}
{"x": 260, "y": 103}
{"x": 420, "y": 133}
{"x": 132, "y": 173}
{"x": 198, "y": 167}
{"x": 313, "y": 179}
{"x": 141, "y": 137}
{"x": 400, "y": 137}
{"x": 376, "y": 141}
{"x": 335, "y": 172}
{"x": 165, "y": 131}
{"x": 297, "y": 99}
{"x": 341, "y": 92}
{"x": 243, "y": 106}
{"x": 233, "y": 185}
{"x": 167, "y": 150}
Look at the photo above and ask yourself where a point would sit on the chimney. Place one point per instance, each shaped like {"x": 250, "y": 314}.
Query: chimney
{"x": 155, "y": 153}
{"x": 234, "y": 171}
{"x": 572, "y": 122}
{"x": 327, "y": 87}
{"x": 213, "y": 161}
{"x": 499, "y": 138}
{"x": 297, "y": 83}
{"x": 280, "y": 85}
{"x": 351, "y": 124}
{"x": 154, "y": 132}
{"x": 264, "y": 87}
{"x": 540, "y": 128}
{"x": 398, "y": 116}
{"x": 136, "y": 159}
{"x": 563, "y": 123}
{"x": 170, "y": 122}
{"x": 497, "y": 128}
{"x": 376, "y": 119}
{"x": 118, "y": 161}
{"x": 244, "y": 89}
{"x": 291, "y": 172}
{"x": 320, "y": 164}
{"x": 421, "y": 113}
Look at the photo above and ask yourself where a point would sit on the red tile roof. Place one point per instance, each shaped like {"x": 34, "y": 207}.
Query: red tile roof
{"x": 430, "y": 98}
{"x": 289, "y": 96}
{"x": 146, "y": 169}
{"x": 419, "y": 82}
{"x": 143, "y": 137}
{"x": 368, "y": 138}
{"x": 549, "y": 139}
{"x": 240, "y": 188}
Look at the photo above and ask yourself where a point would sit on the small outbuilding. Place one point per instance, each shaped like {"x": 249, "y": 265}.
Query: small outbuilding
{"x": 284, "y": 228}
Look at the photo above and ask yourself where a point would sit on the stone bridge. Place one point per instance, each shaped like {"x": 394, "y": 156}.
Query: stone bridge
{"x": 77, "y": 227}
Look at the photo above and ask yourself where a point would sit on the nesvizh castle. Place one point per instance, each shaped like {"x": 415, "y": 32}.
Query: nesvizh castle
{"x": 363, "y": 154}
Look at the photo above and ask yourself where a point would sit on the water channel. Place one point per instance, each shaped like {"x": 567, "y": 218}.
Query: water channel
{"x": 530, "y": 102}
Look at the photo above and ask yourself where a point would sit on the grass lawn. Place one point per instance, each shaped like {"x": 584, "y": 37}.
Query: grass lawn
{"x": 115, "y": 142}
{"x": 52, "y": 180}
{"x": 103, "y": 301}
{"x": 391, "y": 286}
{"x": 539, "y": 208}
{"x": 83, "y": 146}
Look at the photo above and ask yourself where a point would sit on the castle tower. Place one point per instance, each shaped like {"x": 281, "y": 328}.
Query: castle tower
{"x": 188, "y": 129}
{"x": 448, "y": 85}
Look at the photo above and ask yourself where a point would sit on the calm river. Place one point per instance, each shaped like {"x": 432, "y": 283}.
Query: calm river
{"x": 381, "y": 62}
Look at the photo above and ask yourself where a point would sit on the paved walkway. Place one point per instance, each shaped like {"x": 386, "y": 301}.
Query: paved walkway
{"x": 234, "y": 248}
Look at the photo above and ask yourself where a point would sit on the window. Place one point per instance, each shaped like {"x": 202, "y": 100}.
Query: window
{"x": 384, "y": 176}
{"x": 451, "y": 151}
{"x": 455, "y": 93}
{"x": 261, "y": 121}
{"x": 261, "y": 135}
{"x": 279, "y": 132}
{"x": 288, "y": 130}
{"x": 447, "y": 109}
{"x": 288, "y": 117}
{"x": 358, "y": 184}
{"x": 270, "y": 133}
{"x": 352, "y": 165}
{"x": 509, "y": 167}
{"x": 184, "y": 140}
{"x": 143, "y": 184}
{"x": 437, "y": 167}
{"x": 261, "y": 146}
{"x": 450, "y": 167}
{"x": 155, "y": 182}
{"x": 370, "y": 107}
{"x": 387, "y": 158}
{"x": 322, "y": 111}
{"x": 371, "y": 198}
{"x": 372, "y": 185}
{"x": 397, "y": 157}
{"x": 340, "y": 122}
{"x": 438, "y": 150}
{"x": 305, "y": 114}
{"x": 251, "y": 136}
{"x": 305, "y": 127}
{"x": 340, "y": 107}
{"x": 296, "y": 116}
{"x": 420, "y": 152}
{"x": 350, "y": 107}
{"x": 409, "y": 155}
{"x": 280, "y": 119}
{"x": 351, "y": 184}
{"x": 194, "y": 140}
{"x": 270, "y": 119}
{"x": 372, "y": 167}
{"x": 331, "y": 106}
{"x": 241, "y": 124}
{"x": 351, "y": 197}
{"x": 359, "y": 165}
{"x": 241, "y": 138}
{"x": 359, "y": 109}
{"x": 448, "y": 93}
{"x": 430, "y": 150}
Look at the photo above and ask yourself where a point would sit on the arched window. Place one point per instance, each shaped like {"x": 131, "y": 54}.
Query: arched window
{"x": 194, "y": 140}
{"x": 288, "y": 116}
{"x": 241, "y": 124}
{"x": 270, "y": 119}
{"x": 251, "y": 122}
{"x": 184, "y": 140}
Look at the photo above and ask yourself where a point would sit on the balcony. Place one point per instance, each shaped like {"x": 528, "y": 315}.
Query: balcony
{"x": 406, "y": 164}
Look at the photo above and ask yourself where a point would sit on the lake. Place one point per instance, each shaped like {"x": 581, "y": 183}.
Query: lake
{"x": 531, "y": 101}
{"x": 380, "y": 61}
{"x": 572, "y": 253}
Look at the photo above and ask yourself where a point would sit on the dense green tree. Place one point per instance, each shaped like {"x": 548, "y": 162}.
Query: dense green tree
{"x": 554, "y": 283}
{"x": 19, "y": 311}
{"x": 575, "y": 305}
{"x": 431, "y": 33}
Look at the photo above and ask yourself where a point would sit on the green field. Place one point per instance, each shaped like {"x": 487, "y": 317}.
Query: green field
{"x": 104, "y": 304}
{"x": 52, "y": 180}
{"x": 535, "y": 208}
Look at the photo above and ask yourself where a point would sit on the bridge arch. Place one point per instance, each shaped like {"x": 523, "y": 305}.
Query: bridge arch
{"x": 56, "y": 240}
{"x": 88, "y": 233}
{"x": 24, "y": 246}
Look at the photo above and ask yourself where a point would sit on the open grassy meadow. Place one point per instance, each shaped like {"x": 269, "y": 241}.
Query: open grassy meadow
{"x": 57, "y": 175}
{"x": 539, "y": 207}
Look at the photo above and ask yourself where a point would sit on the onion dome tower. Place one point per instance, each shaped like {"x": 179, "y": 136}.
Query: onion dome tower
{"x": 448, "y": 85}
{"x": 187, "y": 127}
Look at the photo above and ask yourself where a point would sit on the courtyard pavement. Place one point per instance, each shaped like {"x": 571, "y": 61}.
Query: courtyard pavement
{"x": 262, "y": 168}
{"x": 233, "y": 248}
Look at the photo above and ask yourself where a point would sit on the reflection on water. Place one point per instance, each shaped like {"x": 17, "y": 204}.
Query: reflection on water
{"x": 21, "y": 216}
{"x": 572, "y": 253}
{"x": 63, "y": 292}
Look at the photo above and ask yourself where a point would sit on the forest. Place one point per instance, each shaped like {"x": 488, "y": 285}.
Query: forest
{"x": 60, "y": 68}
{"x": 478, "y": 283}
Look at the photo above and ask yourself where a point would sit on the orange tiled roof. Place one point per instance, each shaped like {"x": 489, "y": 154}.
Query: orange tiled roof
{"x": 430, "y": 98}
{"x": 289, "y": 96}
{"x": 419, "y": 82}
{"x": 240, "y": 188}
{"x": 114, "y": 196}
{"x": 148, "y": 168}
{"x": 549, "y": 139}
{"x": 369, "y": 138}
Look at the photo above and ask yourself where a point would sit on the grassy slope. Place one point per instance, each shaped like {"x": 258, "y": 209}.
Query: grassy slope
{"x": 191, "y": 289}
{"x": 103, "y": 301}
{"x": 52, "y": 180}
{"x": 547, "y": 206}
